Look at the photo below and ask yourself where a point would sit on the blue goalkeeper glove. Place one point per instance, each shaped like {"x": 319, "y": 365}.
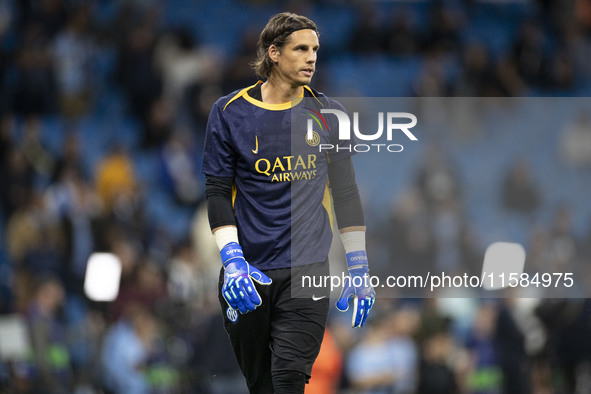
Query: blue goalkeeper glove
{"x": 357, "y": 286}
{"x": 238, "y": 289}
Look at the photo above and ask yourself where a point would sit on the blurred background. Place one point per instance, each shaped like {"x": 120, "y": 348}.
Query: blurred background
{"x": 103, "y": 108}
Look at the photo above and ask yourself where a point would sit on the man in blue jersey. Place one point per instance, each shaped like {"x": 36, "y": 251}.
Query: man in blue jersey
{"x": 269, "y": 208}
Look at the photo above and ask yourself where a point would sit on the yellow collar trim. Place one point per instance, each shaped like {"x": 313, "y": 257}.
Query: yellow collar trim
{"x": 272, "y": 107}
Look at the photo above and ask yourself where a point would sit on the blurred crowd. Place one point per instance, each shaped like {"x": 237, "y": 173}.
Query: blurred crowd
{"x": 103, "y": 107}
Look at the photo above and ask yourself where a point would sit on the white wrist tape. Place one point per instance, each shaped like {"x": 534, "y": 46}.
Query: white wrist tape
{"x": 353, "y": 241}
{"x": 225, "y": 235}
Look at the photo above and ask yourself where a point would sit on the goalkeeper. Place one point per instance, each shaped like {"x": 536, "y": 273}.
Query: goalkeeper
{"x": 272, "y": 229}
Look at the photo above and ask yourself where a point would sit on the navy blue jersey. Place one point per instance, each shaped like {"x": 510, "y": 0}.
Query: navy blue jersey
{"x": 280, "y": 196}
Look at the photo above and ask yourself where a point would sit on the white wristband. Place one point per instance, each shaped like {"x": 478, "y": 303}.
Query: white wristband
{"x": 353, "y": 241}
{"x": 225, "y": 235}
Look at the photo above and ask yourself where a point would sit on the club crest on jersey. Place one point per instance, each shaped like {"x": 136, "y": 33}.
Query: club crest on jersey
{"x": 232, "y": 314}
{"x": 312, "y": 137}
{"x": 315, "y": 140}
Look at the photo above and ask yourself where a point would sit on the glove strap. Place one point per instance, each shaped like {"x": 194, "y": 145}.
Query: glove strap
{"x": 357, "y": 259}
{"x": 231, "y": 251}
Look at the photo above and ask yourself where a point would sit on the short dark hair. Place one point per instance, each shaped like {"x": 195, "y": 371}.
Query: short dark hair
{"x": 279, "y": 27}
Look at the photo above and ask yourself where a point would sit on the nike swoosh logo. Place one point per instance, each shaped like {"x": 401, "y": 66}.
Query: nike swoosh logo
{"x": 256, "y": 148}
{"x": 314, "y": 298}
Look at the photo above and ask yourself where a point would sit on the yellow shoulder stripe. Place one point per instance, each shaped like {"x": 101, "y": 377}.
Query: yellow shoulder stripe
{"x": 313, "y": 95}
{"x": 241, "y": 93}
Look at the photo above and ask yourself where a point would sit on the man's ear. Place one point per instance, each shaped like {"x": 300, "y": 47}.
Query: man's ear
{"x": 274, "y": 53}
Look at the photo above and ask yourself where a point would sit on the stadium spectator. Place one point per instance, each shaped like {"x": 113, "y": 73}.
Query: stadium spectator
{"x": 444, "y": 27}
{"x": 159, "y": 123}
{"x": 386, "y": 359}
{"x": 7, "y": 23}
{"x": 38, "y": 156}
{"x": 411, "y": 238}
{"x": 17, "y": 177}
{"x": 513, "y": 357}
{"x": 6, "y": 143}
{"x": 562, "y": 248}
{"x": 23, "y": 230}
{"x": 575, "y": 142}
{"x": 70, "y": 158}
{"x": 238, "y": 73}
{"x": 561, "y": 71}
{"x": 34, "y": 86}
{"x": 520, "y": 192}
{"x": 50, "y": 15}
{"x": 443, "y": 362}
{"x": 45, "y": 255}
{"x": 74, "y": 55}
{"x": 528, "y": 53}
{"x": 206, "y": 252}
{"x": 136, "y": 71}
{"x": 77, "y": 223}
{"x": 183, "y": 65}
{"x": 436, "y": 375}
{"x": 484, "y": 376}
{"x": 179, "y": 162}
{"x": 437, "y": 178}
{"x": 146, "y": 287}
{"x": 401, "y": 37}
{"x": 511, "y": 83}
{"x": 368, "y": 36}
{"x": 184, "y": 280}
{"x": 569, "y": 347}
{"x": 127, "y": 348}
{"x": 478, "y": 77}
{"x": 116, "y": 181}
{"x": 201, "y": 98}
{"x": 51, "y": 367}
{"x": 430, "y": 82}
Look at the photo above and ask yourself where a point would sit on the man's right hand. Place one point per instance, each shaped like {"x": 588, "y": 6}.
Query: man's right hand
{"x": 238, "y": 290}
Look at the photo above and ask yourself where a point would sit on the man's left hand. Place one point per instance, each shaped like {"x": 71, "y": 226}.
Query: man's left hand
{"x": 357, "y": 286}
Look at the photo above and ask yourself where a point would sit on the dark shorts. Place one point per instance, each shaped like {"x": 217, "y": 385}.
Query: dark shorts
{"x": 285, "y": 332}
